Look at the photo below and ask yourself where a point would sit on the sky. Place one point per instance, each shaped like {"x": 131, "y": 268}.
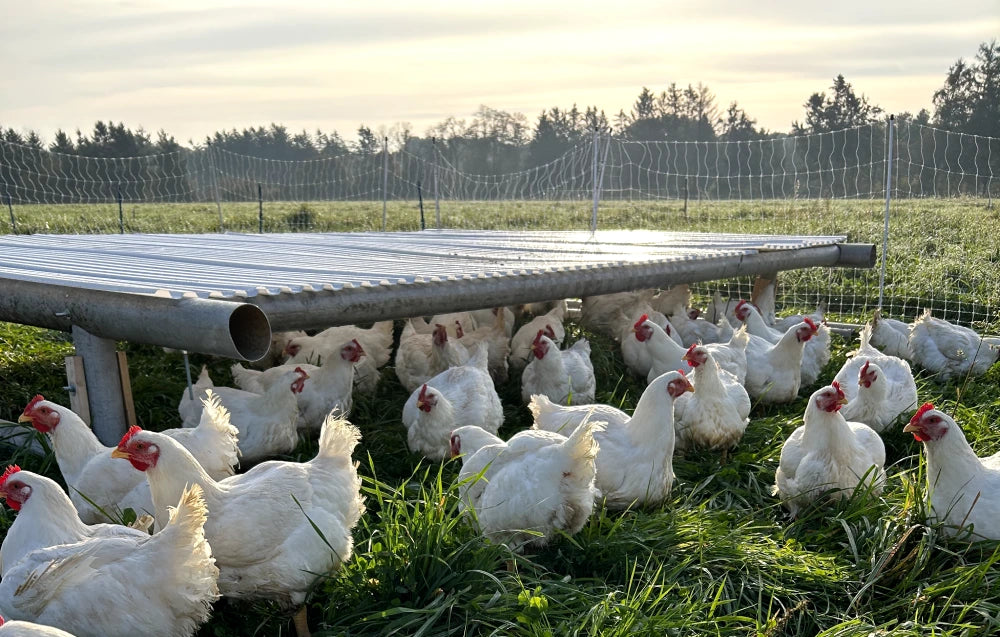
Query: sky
{"x": 193, "y": 67}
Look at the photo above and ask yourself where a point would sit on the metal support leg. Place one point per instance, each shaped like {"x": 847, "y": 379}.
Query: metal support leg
{"x": 104, "y": 386}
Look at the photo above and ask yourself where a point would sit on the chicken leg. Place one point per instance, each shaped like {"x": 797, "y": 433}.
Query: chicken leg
{"x": 301, "y": 623}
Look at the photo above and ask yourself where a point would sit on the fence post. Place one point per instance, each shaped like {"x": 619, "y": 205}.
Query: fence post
{"x": 121, "y": 214}
{"x": 888, "y": 197}
{"x": 385, "y": 178}
{"x": 599, "y": 178}
{"x": 215, "y": 184}
{"x": 437, "y": 200}
{"x": 420, "y": 200}
{"x": 10, "y": 209}
{"x": 593, "y": 172}
{"x": 260, "y": 209}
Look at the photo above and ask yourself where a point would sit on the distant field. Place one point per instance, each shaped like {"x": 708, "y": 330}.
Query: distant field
{"x": 943, "y": 253}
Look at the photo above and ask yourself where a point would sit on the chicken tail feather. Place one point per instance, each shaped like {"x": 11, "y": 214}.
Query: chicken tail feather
{"x": 337, "y": 438}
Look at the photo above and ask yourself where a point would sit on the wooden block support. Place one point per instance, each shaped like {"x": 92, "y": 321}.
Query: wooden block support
{"x": 79, "y": 398}
{"x": 79, "y": 401}
{"x": 761, "y": 297}
{"x": 126, "y": 389}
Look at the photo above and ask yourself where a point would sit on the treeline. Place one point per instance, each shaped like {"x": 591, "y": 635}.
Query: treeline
{"x": 495, "y": 142}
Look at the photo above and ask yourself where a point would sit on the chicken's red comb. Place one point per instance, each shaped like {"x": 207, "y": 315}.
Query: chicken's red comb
{"x": 133, "y": 430}
{"x": 811, "y": 323}
{"x": 423, "y": 391}
{"x": 642, "y": 319}
{"x": 538, "y": 337}
{"x": 840, "y": 392}
{"x": 34, "y": 401}
{"x": 357, "y": 344}
{"x": 11, "y": 470}
{"x": 864, "y": 370}
{"x": 690, "y": 349}
{"x": 551, "y": 333}
{"x": 301, "y": 372}
{"x": 926, "y": 407}
{"x": 741, "y": 303}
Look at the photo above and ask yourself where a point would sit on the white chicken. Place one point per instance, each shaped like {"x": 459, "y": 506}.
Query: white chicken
{"x": 716, "y": 414}
{"x": 964, "y": 489}
{"x": 423, "y": 356}
{"x": 29, "y": 629}
{"x": 526, "y": 490}
{"x": 266, "y": 421}
{"x": 635, "y": 354}
{"x": 46, "y": 517}
{"x": 458, "y": 396}
{"x": 675, "y": 299}
{"x": 376, "y": 342}
{"x": 666, "y": 355}
{"x": 99, "y": 488}
{"x": 816, "y": 353}
{"x": 551, "y": 323}
{"x": 635, "y": 460}
{"x": 488, "y": 316}
{"x": 950, "y": 350}
{"x": 564, "y": 376}
{"x": 764, "y": 299}
{"x": 774, "y": 370}
{"x": 457, "y": 324}
{"x": 275, "y": 529}
{"x": 719, "y": 309}
{"x": 276, "y": 352}
{"x": 828, "y": 455}
{"x": 497, "y": 341}
{"x": 603, "y": 313}
{"x": 891, "y": 336}
{"x": 330, "y": 385}
{"x": 172, "y": 572}
{"x": 879, "y": 387}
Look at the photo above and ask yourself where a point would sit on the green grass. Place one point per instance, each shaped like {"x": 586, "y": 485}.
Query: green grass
{"x": 720, "y": 558}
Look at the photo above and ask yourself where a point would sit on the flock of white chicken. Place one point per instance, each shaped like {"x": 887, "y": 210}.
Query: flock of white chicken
{"x": 271, "y": 531}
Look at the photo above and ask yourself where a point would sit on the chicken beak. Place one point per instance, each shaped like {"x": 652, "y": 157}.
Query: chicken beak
{"x": 910, "y": 428}
{"x": 24, "y": 418}
{"x": 842, "y": 400}
{"x": 118, "y": 453}
{"x": 420, "y": 404}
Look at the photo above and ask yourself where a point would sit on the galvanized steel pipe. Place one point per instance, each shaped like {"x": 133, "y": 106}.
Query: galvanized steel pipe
{"x": 360, "y": 304}
{"x": 210, "y": 326}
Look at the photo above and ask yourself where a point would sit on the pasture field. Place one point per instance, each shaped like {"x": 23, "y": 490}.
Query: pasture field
{"x": 719, "y": 558}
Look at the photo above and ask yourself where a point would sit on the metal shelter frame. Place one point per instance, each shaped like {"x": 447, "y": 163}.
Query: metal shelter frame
{"x": 222, "y": 294}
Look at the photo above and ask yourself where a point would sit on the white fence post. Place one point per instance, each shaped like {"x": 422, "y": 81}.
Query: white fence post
{"x": 593, "y": 217}
{"x": 215, "y": 185}
{"x": 888, "y": 198}
{"x": 437, "y": 200}
{"x": 385, "y": 178}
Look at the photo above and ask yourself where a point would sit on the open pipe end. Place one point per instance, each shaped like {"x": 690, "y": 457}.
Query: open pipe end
{"x": 857, "y": 255}
{"x": 250, "y": 331}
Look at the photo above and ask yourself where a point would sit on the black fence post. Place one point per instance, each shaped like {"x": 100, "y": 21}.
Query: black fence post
{"x": 121, "y": 212}
{"x": 420, "y": 198}
{"x": 10, "y": 208}
{"x": 260, "y": 209}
